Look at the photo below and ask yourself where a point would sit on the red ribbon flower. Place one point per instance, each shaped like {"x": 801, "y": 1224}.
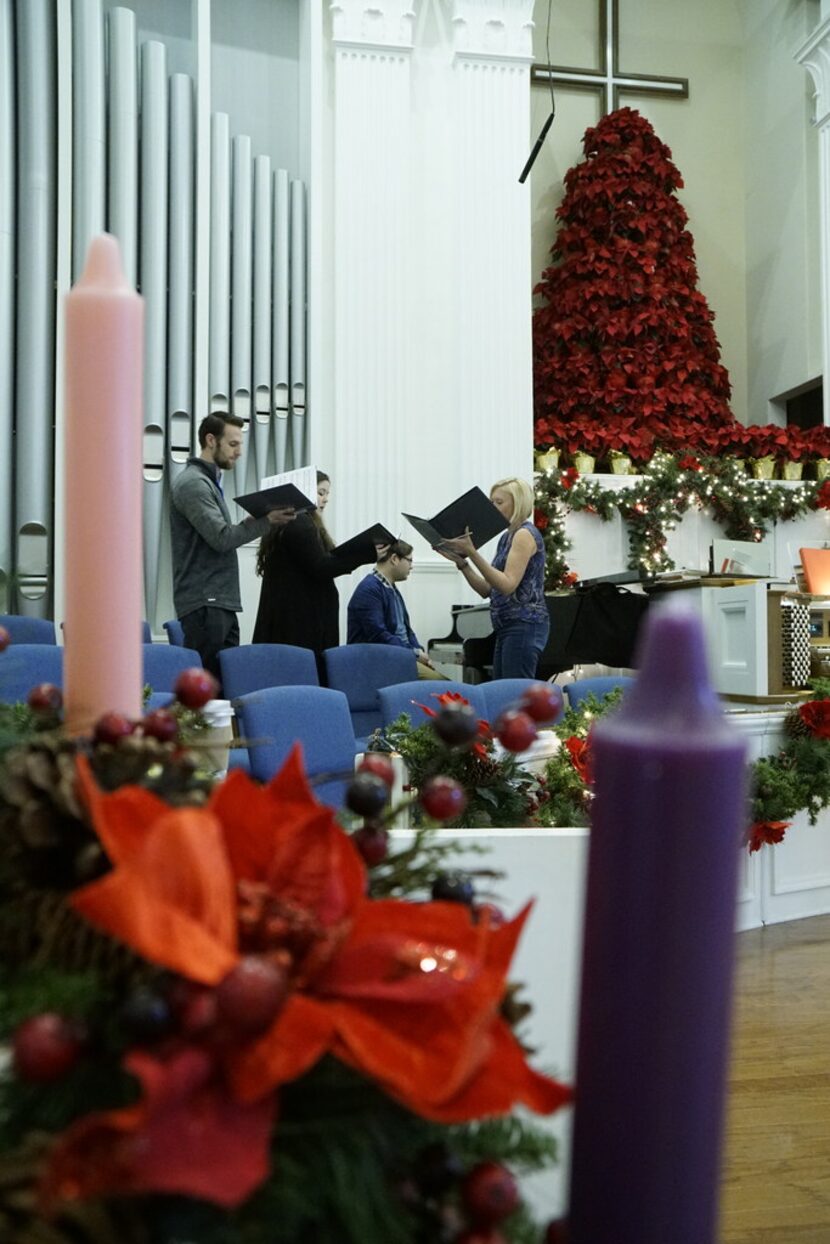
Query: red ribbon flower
{"x": 408, "y": 994}
{"x": 766, "y": 833}
{"x": 579, "y": 751}
{"x": 823, "y": 496}
{"x": 569, "y": 478}
{"x": 816, "y": 717}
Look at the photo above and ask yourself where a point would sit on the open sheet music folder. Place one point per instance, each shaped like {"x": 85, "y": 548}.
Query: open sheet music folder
{"x": 473, "y": 510}
{"x": 280, "y": 497}
{"x": 377, "y": 534}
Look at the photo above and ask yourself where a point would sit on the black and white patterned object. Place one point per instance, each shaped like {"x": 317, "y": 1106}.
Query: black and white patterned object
{"x": 795, "y": 634}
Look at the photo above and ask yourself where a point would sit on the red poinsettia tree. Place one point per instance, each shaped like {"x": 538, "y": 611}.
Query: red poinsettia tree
{"x": 624, "y": 337}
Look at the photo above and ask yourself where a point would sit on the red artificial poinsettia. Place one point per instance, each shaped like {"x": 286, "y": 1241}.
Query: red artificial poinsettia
{"x": 408, "y": 994}
{"x": 823, "y": 496}
{"x": 689, "y": 463}
{"x": 569, "y": 478}
{"x": 540, "y": 519}
{"x": 187, "y": 1136}
{"x": 579, "y": 751}
{"x": 816, "y": 717}
{"x": 764, "y": 833}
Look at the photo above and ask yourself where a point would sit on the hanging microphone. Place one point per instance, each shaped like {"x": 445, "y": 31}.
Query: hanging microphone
{"x": 537, "y": 146}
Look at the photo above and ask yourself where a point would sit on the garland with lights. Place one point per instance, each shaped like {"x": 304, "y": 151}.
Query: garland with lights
{"x": 654, "y": 503}
{"x": 795, "y": 779}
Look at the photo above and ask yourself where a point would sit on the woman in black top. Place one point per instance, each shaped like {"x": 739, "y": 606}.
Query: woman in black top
{"x": 299, "y": 603}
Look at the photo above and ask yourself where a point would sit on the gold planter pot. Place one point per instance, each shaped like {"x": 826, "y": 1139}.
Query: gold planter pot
{"x": 822, "y": 466}
{"x": 620, "y": 464}
{"x": 584, "y": 463}
{"x": 763, "y": 468}
{"x": 791, "y": 470}
{"x": 547, "y": 460}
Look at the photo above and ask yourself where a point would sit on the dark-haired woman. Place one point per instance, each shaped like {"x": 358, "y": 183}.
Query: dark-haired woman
{"x": 299, "y": 603}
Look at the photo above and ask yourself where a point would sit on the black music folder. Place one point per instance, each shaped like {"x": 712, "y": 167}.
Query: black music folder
{"x": 280, "y": 497}
{"x": 473, "y": 510}
{"x": 376, "y": 534}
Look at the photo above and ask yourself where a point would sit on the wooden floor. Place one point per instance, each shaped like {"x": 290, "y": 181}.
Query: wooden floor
{"x": 777, "y": 1165}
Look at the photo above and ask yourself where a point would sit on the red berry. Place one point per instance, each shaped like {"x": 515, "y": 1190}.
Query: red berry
{"x": 252, "y": 995}
{"x": 557, "y": 1231}
{"x": 112, "y": 728}
{"x": 5, "y": 639}
{"x": 193, "y": 688}
{"x": 160, "y": 724}
{"x": 543, "y": 702}
{"x": 372, "y": 843}
{"x": 443, "y": 798}
{"x": 489, "y": 1193}
{"x": 194, "y": 1006}
{"x": 45, "y": 698}
{"x": 46, "y": 1047}
{"x": 380, "y": 765}
{"x": 515, "y": 730}
{"x": 455, "y": 724}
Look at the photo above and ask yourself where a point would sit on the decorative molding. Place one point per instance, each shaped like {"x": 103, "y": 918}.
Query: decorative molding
{"x": 374, "y": 24}
{"x": 493, "y": 29}
{"x": 814, "y": 55}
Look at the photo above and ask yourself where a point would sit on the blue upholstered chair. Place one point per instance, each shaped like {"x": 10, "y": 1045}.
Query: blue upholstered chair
{"x": 23, "y": 666}
{"x": 274, "y": 719}
{"x": 163, "y": 664}
{"x": 175, "y": 632}
{"x": 398, "y": 699}
{"x": 252, "y": 667}
{"x": 158, "y": 699}
{"x": 504, "y": 693}
{"x": 600, "y": 686}
{"x": 359, "y": 671}
{"x": 28, "y": 630}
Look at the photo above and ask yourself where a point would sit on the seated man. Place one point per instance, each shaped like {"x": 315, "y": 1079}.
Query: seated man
{"x": 377, "y": 613}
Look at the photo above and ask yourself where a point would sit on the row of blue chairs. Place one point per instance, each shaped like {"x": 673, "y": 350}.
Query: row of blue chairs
{"x": 25, "y": 630}
{"x": 273, "y": 719}
{"x": 23, "y": 666}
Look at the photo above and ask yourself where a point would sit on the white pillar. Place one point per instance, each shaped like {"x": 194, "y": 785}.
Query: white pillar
{"x": 814, "y": 55}
{"x": 372, "y": 228}
{"x": 491, "y": 237}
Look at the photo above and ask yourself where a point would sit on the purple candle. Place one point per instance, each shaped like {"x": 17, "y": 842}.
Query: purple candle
{"x": 658, "y": 952}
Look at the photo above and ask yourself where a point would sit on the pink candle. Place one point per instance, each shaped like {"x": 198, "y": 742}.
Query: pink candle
{"x": 658, "y": 953}
{"x": 102, "y": 492}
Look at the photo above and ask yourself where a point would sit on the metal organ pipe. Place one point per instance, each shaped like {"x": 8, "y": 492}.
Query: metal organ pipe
{"x": 36, "y": 225}
{"x": 262, "y": 312}
{"x": 241, "y": 241}
{"x": 7, "y": 266}
{"x": 122, "y": 137}
{"x": 298, "y": 393}
{"x": 180, "y": 328}
{"x": 153, "y": 278}
{"x": 88, "y": 128}
{"x": 281, "y": 317}
{"x": 220, "y": 263}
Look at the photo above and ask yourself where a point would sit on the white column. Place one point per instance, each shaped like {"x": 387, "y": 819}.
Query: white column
{"x": 492, "y": 281}
{"x": 372, "y": 227}
{"x": 814, "y": 55}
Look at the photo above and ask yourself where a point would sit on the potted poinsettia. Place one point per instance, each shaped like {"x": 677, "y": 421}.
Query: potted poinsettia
{"x": 585, "y": 441}
{"x": 817, "y": 449}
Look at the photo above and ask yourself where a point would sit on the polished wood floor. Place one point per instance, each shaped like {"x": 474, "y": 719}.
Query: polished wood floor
{"x": 776, "y": 1186}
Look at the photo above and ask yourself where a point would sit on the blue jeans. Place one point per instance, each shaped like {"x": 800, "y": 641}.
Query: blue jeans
{"x": 518, "y": 648}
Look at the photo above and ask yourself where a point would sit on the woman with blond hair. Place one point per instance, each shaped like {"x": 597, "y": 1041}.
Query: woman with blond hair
{"x": 514, "y": 581}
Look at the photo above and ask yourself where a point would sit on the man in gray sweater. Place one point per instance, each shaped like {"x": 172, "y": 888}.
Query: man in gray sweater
{"x": 204, "y": 542}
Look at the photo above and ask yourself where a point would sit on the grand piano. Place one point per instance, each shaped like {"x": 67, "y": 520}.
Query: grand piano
{"x": 595, "y": 622}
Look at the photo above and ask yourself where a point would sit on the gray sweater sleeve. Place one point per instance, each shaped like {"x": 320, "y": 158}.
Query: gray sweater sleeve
{"x": 196, "y": 500}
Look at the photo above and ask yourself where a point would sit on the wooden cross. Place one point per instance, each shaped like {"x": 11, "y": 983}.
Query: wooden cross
{"x": 609, "y": 79}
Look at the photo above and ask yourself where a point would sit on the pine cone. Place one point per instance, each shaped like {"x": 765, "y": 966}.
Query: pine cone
{"x": 795, "y": 725}
{"x": 92, "y": 1222}
{"x": 41, "y": 825}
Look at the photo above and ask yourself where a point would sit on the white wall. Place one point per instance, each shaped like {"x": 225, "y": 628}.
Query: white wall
{"x": 782, "y": 203}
